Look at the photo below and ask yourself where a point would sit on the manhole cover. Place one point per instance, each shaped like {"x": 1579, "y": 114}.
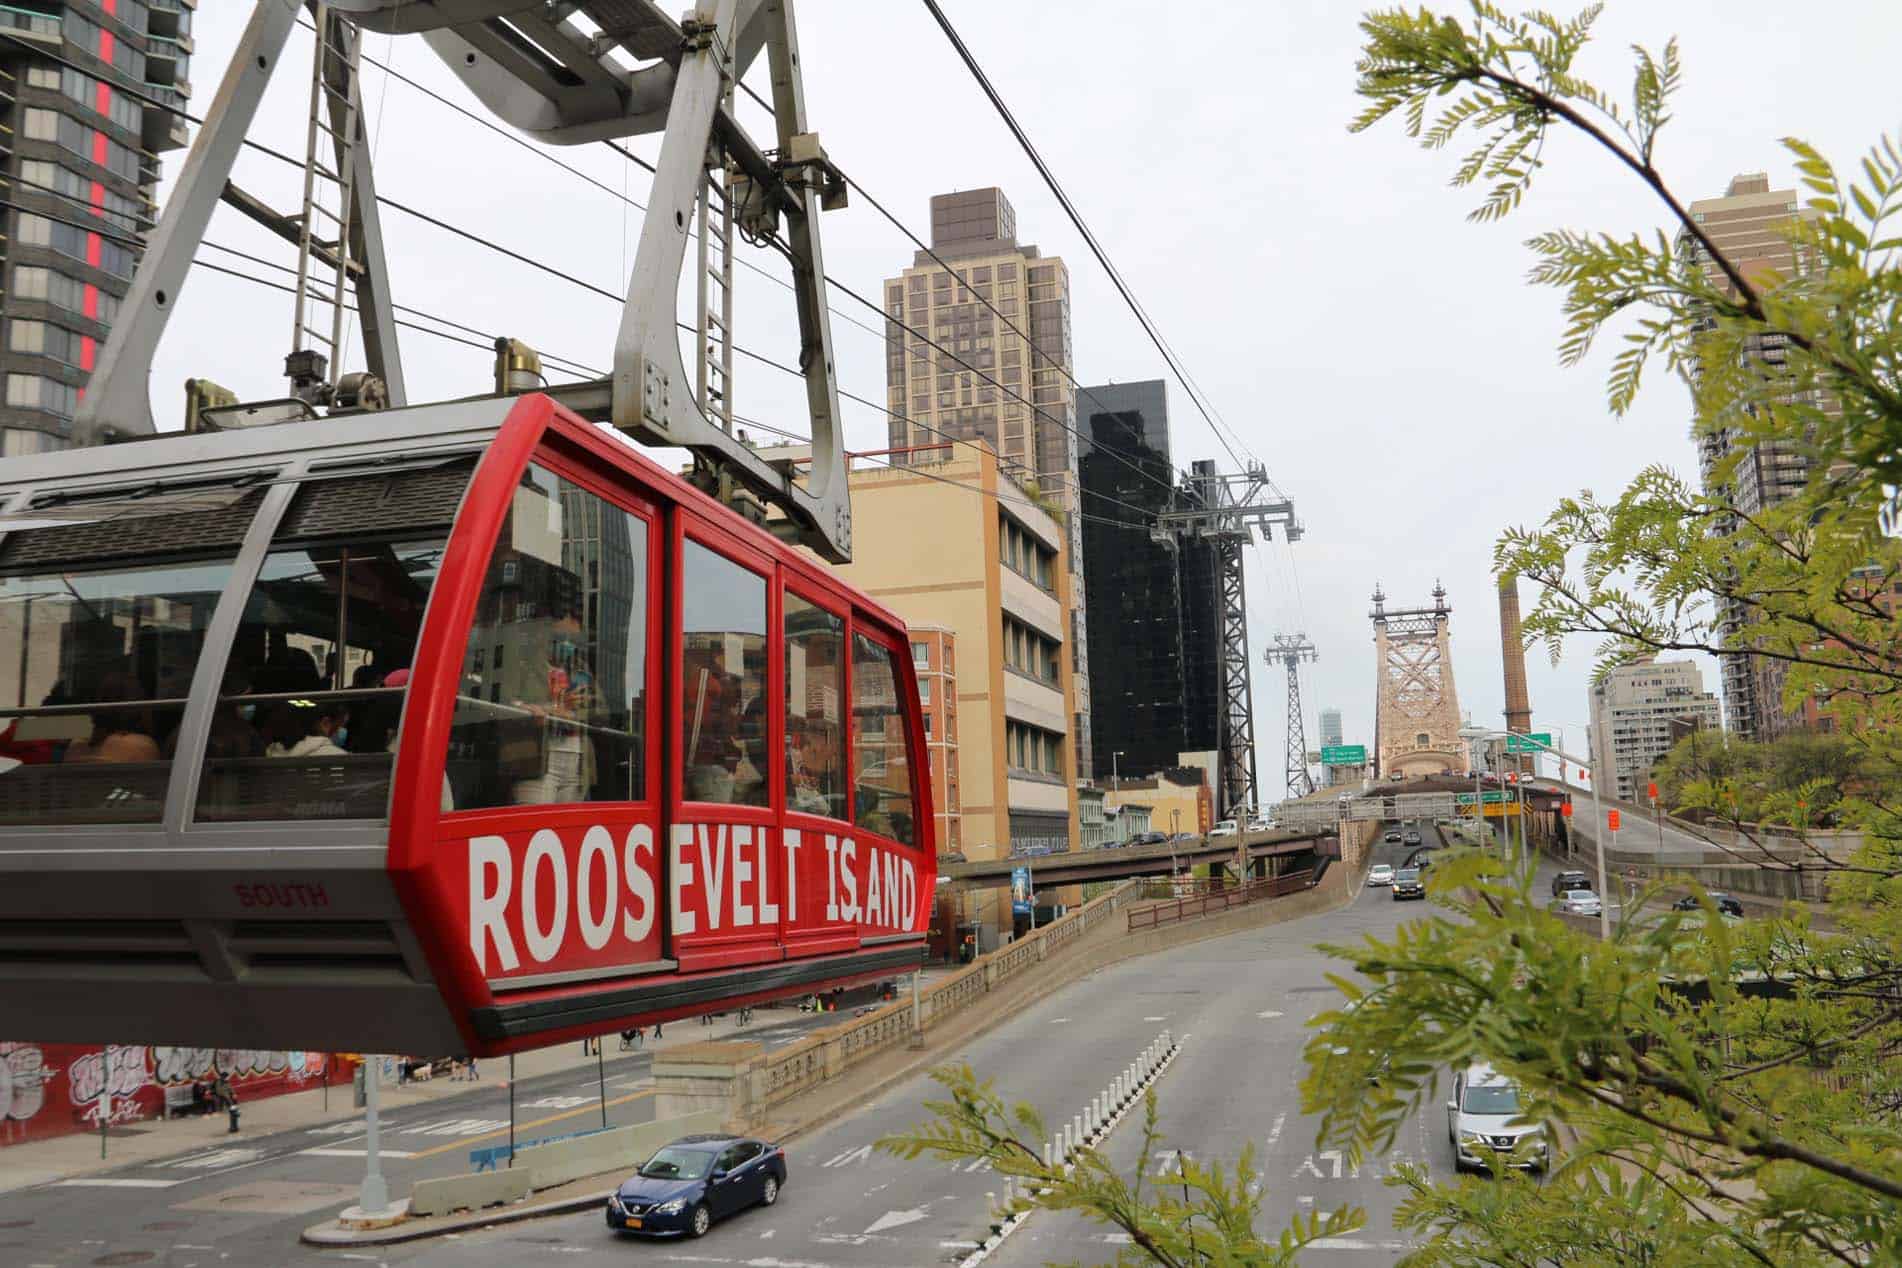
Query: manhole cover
{"x": 121, "y": 1257}
{"x": 167, "y": 1226}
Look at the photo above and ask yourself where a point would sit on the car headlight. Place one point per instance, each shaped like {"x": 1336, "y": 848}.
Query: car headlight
{"x": 614, "y": 1202}
{"x": 674, "y": 1207}
{"x": 1472, "y": 1138}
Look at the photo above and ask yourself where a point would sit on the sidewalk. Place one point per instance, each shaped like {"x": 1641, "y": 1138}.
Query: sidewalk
{"x": 66, "y": 1157}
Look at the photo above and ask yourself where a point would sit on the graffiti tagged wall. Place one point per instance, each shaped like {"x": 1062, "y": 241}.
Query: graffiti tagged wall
{"x": 53, "y": 1089}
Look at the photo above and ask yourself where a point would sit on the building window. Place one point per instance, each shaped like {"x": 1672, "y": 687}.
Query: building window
{"x": 32, "y": 391}
{"x": 921, "y": 655}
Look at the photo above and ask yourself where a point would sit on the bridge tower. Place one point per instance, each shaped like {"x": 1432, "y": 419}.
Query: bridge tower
{"x": 1291, "y": 650}
{"x": 1417, "y": 718}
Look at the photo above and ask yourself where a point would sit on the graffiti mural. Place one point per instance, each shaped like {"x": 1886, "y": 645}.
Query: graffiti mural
{"x": 52, "y": 1089}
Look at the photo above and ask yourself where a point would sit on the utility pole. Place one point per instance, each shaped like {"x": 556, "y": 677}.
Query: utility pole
{"x": 1291, "y": 650}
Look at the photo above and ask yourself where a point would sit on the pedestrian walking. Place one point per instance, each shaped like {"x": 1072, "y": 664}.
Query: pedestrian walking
{"x": 226, "y": 1099}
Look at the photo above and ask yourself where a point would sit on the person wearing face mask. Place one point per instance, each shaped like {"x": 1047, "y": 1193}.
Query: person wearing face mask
{"x": 309, "y": 730}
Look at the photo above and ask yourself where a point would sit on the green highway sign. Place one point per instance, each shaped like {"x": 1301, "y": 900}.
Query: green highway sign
{"x": 1466, "y": 799}
{"x": 1344, "y": 755}
{"x": 1528, "y": 744}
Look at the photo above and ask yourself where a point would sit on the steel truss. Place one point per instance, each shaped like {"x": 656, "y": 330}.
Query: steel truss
{"x": 564, "y": 72}
{"x": 1291, "y": 650}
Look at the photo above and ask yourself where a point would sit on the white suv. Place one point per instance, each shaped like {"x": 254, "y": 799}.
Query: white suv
{"x": 1380, "y": 874}
{"x": 1480, "y": 1123}
{"x": 1226, "y": 828}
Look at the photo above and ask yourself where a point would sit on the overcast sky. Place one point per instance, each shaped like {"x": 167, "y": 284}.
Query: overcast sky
{"x": 1383, "y": 357}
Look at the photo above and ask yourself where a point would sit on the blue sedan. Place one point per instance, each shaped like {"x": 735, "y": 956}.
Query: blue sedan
{"x": 694, "y": 1181}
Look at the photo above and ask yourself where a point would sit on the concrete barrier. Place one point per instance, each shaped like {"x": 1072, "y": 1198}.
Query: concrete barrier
{"x": 469, "y": 1192}
{"x": 620, "y": 1147}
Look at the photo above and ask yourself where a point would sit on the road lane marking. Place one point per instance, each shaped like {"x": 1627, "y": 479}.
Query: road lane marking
{"x": 1274, "y": 1133}
{"x": 111, "y": 1182}
{"x": 1162, "y": 1018}
{"x": 558, "y": 1102}
{"x": 1268, "y": 1014}
{"x": 354, "y": 1153}
{"x": 1058, "y": 1021}
{"x": 862, "y": 1154}
{"x": 1355, "y": 1243}
{"x": 466, "y": 1141}
{"x": 896, "y": 1219}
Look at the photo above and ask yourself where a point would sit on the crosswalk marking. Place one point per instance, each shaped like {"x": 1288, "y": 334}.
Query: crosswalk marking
{"x": 113, "y": 1182}
{"x": 355, "y": 1153}
{"x": 861, "y": 1154}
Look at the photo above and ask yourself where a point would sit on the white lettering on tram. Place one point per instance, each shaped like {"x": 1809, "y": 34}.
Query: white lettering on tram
{"x": 721, "y": 878}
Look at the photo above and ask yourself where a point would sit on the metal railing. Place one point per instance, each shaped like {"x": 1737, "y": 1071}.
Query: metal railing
{"x": 1217, "y": 900}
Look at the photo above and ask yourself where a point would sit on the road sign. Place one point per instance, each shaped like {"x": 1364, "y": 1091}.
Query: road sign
{"x": 1528, "y": 743}
{"x": 1611, "y": 820}
{"x": 1651, "y": 791}
{"x": 1344, "y": 755}
{"x": 1492, "y": 798}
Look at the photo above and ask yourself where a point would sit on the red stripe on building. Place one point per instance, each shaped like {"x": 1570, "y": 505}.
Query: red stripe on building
{"x": 92, "y": 249}
{"x": 98, "y": 198}
{"x": 99, "y": 147}
{"x": 90, "y": 305}
{"x": 105, "y": 45}
{"x": 86, "y": 353}
{"x": 102, "y": 100}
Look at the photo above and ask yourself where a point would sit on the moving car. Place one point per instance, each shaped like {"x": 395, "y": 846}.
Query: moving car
{"x": 1725, "y": 904}
{"x": 1413, "y": 836}
{"x": 1564, "y": 882}
{"x": 1261, "y": 825}
{"x": 1226, "y": 828}
{"x": 1150, "y": 838}
{"x": 1421, "y": 858}
{"x": 1380, "y": 874}
{"x": 1393, "y": 837}
{"x": 693, "y": 1181}
{"x": 1407, "y": 884}
{"x": 1479, "y": 1123}
{"x": 1578, "y": 902}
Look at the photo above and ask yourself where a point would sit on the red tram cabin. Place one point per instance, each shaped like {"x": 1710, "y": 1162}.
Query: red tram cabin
{"x": 454, "y": 728}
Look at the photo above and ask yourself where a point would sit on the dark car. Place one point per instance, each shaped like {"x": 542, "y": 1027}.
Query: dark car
{"x": 1152, "y": 838}
{"x": 1407, "y": 884}
{"x": 1724, "y": 903}
{"x": 1565, "y": 882}
{"x": 1413, "y": 837}
{"x": 1393, "y": 837}
{"x": 1421, "y": 858}
{"x": 1185, "y": 836}
{"x": 694, "y": 1181}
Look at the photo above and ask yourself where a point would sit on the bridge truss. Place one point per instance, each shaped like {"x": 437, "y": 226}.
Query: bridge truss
{"x": 1417, "y": 719}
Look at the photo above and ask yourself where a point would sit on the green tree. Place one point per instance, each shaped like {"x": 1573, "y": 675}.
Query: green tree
{"x": 1723, "y": 1094}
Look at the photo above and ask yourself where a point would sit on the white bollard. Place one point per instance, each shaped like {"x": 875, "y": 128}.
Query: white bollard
{"x": 1076, "y": 1130}
{"x": 1096, "y": 1114}
{"x": 1049, "y": 1147}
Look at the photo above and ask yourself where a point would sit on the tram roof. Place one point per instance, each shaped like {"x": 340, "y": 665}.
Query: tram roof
{"x": 333, "y": 446}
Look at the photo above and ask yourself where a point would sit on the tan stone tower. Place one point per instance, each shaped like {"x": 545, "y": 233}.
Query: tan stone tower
{"x": 1417, "y": 722}
{"x": 1512, "y": 653}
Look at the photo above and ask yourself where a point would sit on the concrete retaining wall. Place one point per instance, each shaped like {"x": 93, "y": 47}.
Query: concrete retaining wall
{"x": 779, "y": 1093}
{"x": 556, "y": 1163}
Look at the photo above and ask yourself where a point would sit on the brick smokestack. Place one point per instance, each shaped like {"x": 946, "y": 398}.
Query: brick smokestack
{"x": 1512, "y": 651}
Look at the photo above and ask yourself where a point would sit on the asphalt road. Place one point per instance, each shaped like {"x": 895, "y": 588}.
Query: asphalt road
{"x": 243, "y": 1200}
{"x": 1240, "y": 1003}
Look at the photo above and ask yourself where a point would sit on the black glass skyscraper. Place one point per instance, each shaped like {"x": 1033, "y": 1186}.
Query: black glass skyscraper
{"x": 1154, "y": 689}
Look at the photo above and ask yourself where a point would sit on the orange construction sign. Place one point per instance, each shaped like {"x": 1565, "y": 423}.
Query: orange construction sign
{"x": 1611, "y": 820}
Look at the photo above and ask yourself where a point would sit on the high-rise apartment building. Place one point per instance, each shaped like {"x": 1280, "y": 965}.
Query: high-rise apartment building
{"x": 1005, "y": 377}
{"x": 1748, "y": 225}
{"x": 79, "y": 172}
{"x": 1330, "y": 728}
{"x": 1634, "y": 710}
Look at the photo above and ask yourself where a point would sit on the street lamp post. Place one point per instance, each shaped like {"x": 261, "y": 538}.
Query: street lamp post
{"x": 1598, "y": 811}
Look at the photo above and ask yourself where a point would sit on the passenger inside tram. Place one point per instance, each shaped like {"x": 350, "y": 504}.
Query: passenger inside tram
{"x": 118, "y": 734}
{"x": 305, "y": 728}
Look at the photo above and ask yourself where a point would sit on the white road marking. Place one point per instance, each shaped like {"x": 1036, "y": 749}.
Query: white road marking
{"x": 558, "y": 1102}
{"x": 456, "y": 1127}
{"x": 1274, "y": 1133}
{"x": 355, "y": 1153}
{"x": 1268, "y": 1014}
{"x": 106, "y": 1182}
{"x": 215, "y": 1158}
{"x": 1162, "y": 1018}
{"x": 895, "y": 1219}
{"x": 1354, "y": 1243}
{"x": 1058, "y": 1021}
{"x": 1169, "y": 1162}
{"x": 861, "y": 1154}
{"x": 340, "y": 1129}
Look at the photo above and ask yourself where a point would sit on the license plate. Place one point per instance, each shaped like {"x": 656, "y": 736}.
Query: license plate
{"x": 633, "y": 1221}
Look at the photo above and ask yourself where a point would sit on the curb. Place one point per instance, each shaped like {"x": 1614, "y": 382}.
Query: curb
{"x": 331, "y": 1235}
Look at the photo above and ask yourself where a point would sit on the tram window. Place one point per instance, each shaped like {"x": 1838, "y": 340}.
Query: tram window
{"x": 553, "y": 701}
{"x": 881, "y": 773}
{"x": 722, "y": 680}
{"x": 313, "y": 689}
{"x": 815, "y": 754}
{"x": 94, "y": 671}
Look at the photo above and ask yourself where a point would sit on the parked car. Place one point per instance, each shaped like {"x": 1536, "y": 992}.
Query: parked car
{"x": 1578, "y": 902}
{"x": 1380, "y": 874}
{"x": 1567, "y": 881}
{"x": 1151, "y": 838}
{"x": 693, "y": 1181}
{"x": 1226, "y": 828}
{"x": 1261, "y": 825}
{"x": 1181, "y": 837}
{"x": 1479, "y": 1123}
{"x": 1407, "y": 883}
{"x": 1393, "y": 837}
{"x": 1725, "y": 904}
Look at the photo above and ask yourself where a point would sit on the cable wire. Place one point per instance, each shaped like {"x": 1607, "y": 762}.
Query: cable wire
{"x": 1076, "y": 219}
